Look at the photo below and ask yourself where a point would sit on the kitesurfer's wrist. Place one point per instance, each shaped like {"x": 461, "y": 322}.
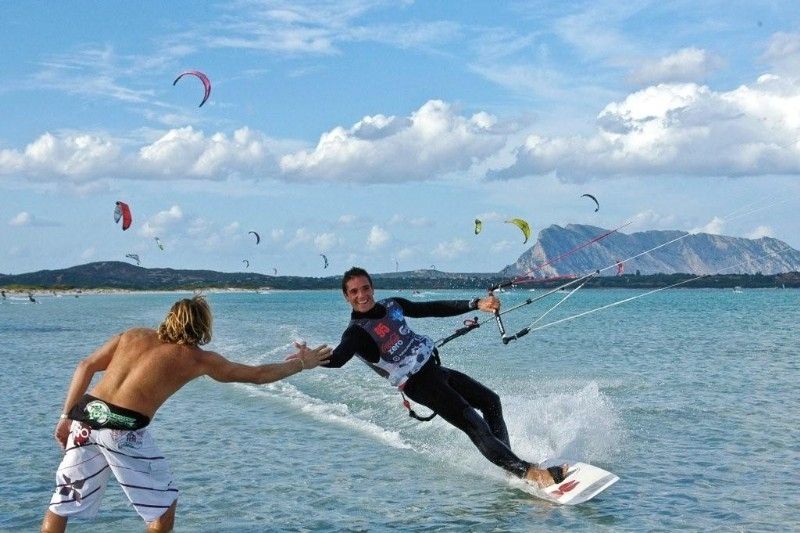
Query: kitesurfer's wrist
{"x": 63, "y": 416}
{"x": 302, "y": 364}
{"x": 473, "y": 304}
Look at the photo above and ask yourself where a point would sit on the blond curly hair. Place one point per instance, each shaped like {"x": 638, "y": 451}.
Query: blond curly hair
{"x": 188, "y": 322}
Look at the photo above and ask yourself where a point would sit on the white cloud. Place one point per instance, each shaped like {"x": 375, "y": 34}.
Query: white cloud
{"x": 317, "y": 28}
{"x": 277, "y": 235}
{"x": 716, "y": 226}
{"x": 182, "y": 153}
{"x": 451, "y": 249}
{"x": 198, "y": 226}
{"x": 88, "y": 253}
{"x": 23, "y": 218}
{"x": 760, "y": 231}
{"x": 161, "y": 222}
{"x": 432, "y": 142}
{"x": 420, "y": 222}
{"x": 685, "y": 65}
{"x": 231, "y": 229}
{"x": 301, "y": 236}
{"x": 210, "y": 242}
{"x": 185, "y": 153}
{"x": 783, "y": 53}
{"x": 677, "y": 129}
{"x": 325, "y": 241}
{"x": 406, "y": 253}
{"x": 176, "y": 231}
{"x": 77, "y": 156}
{"x": 502, "y": 246}
{"x": 347, "y": 220}
{"x": 416, "y": 222}
{"x": 97, "y": 73}
{"x": 667, "y": 129}
{"x": 491, "y": 216}
{"x": 647, "y": 220}
{"x": 377, "y": 237}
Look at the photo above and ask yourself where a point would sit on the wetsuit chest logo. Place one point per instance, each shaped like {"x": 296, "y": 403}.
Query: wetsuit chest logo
{"x": 381, "y": 329}
{"x": 394, "y": 343}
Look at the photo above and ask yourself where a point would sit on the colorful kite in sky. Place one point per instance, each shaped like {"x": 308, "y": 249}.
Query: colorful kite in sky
{"x": 203, "y": 78}
{"x": 122, "y": 211}
{"x": 523, "y": 226}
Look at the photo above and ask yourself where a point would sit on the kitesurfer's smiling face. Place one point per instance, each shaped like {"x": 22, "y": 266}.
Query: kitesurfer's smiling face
{"x": 359, "y": 294}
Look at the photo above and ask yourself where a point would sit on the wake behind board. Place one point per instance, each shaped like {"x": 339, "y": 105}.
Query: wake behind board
{"x": 583, "y": 482}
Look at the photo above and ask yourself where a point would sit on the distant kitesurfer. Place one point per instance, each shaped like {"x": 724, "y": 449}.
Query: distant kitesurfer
{"x": 379, "y": 335}
{"x": 31, "y": 298}
{"x": 105, "y": 431}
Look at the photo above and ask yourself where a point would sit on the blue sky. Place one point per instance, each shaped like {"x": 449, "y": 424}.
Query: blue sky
{"x": 375, "y": 132}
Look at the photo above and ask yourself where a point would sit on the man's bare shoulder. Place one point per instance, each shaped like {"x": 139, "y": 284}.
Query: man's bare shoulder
{"x": 139, "y": 333}
{"x": 195, "y": 353}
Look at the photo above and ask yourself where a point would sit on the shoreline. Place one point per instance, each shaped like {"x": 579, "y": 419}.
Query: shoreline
{"x": 23, "y": 294}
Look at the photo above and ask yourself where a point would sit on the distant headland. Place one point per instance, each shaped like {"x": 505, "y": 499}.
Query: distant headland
{"x": 120, "y": 276}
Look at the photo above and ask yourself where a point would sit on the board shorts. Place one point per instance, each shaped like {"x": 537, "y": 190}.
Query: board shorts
{"x": 92, "y": 455}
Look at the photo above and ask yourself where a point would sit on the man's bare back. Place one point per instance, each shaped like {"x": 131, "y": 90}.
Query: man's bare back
{"x": 143, "y": 371}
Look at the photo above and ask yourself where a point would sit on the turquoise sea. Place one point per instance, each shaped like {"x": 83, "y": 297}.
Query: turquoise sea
{"x": 691, "y": 396}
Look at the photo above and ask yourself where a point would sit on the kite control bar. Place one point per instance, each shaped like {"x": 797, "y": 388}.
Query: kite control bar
{"x": 580, "y": 282}
{"x": 505, "y": 338}
{"x": 474, "y": 323}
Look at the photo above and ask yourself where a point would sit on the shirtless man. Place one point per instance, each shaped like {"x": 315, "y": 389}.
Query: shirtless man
{"x": 105, "y": 431}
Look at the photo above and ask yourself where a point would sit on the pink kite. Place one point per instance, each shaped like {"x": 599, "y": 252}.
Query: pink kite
{"x": 203, "y": 78}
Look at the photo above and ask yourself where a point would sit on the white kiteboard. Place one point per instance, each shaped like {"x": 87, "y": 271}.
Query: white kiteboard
{"x": 583, "y": 482}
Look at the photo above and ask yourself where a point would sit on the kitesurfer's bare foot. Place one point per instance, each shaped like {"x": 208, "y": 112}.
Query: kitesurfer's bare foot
{"x": 544, "y": 478}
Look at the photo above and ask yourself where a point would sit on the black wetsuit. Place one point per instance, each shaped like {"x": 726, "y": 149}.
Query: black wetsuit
{"x": 451, "y": 394}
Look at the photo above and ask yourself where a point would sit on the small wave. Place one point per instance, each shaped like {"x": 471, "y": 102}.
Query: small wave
{"x": 570, "y": 419}
{"x": 423, "y": 294}
{"x": 581, "y": 425}
{"x": 337, "y": 413}
{"x": 578, "y": 423}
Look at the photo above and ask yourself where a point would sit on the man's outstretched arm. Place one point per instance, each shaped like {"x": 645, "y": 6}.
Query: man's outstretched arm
{"x": 223, "y": 370}
{"x": 444, "y": 308}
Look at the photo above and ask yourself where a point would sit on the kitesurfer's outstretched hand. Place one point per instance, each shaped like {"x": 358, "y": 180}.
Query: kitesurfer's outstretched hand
{"x": 490, "y": 304}
{"x": 310, "y": 357}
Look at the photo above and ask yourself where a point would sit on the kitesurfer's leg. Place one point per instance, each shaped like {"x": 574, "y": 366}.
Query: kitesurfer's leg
{"x": 544, "y": 477}
{"x": 430, "y": 388}
{"x": 481, "y": 398}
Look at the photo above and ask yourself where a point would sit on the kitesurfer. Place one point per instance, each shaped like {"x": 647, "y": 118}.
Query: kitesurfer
{"x": 378, "y": 334}
{"x": 105, "y": 431}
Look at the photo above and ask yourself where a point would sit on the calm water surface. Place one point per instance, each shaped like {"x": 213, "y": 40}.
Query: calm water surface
{"x": 691, "y": 396}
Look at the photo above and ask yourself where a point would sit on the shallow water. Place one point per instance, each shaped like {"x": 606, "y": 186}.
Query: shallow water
{"x": 689, "y": 395}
